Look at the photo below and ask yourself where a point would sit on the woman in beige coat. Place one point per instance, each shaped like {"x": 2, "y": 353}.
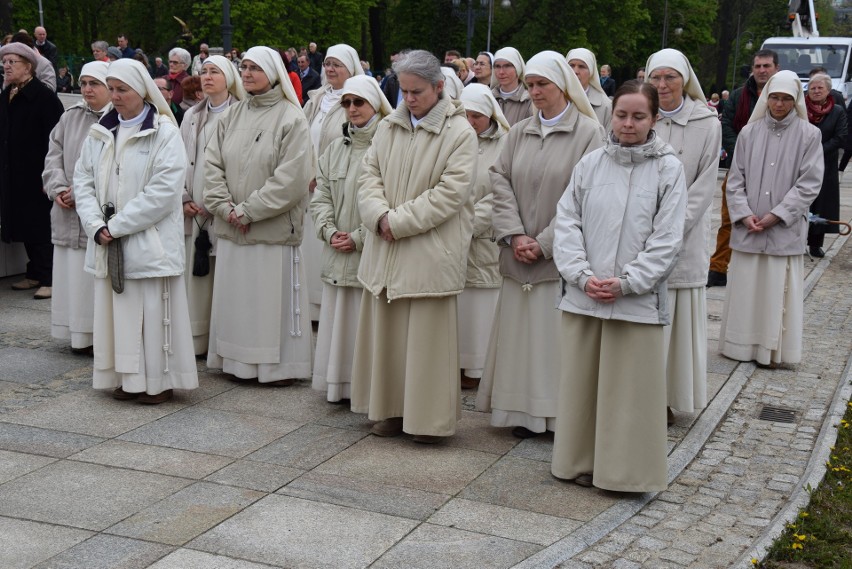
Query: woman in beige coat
{"x": 415, "y": 201}
{"x": 334, "y": 208}
{"x": 521, "y": 377}
{"x": 507, "y": 83}
{"x": 72, "y": 305}
{"x": 256, "y": 185}
{"x": 222, "y": 88}
{"x": 326, "y": 119}
{"x": 478, "y": 302}
{"x": 693, "y": 130}
{"x": 585, "y": 65}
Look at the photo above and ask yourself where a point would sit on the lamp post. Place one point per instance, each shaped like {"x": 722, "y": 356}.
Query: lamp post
{"x": 748, "y": 45}
{"x": 678, "y": 30}
{"x": 506, "y": 4}
{"x": 470, "y": 14}
{"x": 227, "y": 28}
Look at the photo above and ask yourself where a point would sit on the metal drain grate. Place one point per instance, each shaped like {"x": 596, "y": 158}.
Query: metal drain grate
{"x": 777, "y": 415}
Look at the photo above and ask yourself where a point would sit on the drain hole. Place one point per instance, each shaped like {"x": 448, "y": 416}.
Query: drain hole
{"x": 777, "y": 415}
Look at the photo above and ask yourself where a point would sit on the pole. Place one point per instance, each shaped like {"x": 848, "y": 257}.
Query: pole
{"x": 40, "y": 14}
{"x": 227, "y": 28}
{"x": 665, "y": 24}
{"x": 736, "y": 54}
{"x": 469, "y": 26}
{"x": 490, "y": 18}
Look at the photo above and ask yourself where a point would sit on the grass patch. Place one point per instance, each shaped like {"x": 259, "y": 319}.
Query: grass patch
{"x": 821, "y": 536}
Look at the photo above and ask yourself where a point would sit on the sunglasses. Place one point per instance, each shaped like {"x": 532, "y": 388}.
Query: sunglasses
{"x": 346, "y": 103}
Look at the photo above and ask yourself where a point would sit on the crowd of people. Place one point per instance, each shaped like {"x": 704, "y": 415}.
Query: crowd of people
{"x": 520, "y": 227}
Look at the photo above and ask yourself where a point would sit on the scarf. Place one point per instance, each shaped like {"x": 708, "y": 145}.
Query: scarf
{"x": 817, "y": 111}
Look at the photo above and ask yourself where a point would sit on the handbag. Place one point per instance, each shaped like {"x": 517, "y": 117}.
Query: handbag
{"x": 115, "y": 254}
{"x": 201, "y": 259}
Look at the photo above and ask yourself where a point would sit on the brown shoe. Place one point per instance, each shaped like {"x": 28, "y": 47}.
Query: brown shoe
{"x": 25, "y": 284}
{"x": 584, "y": 480}
{"x": 43, "y": 293}
{"x": 122, "y": 395}
{"x": 281, "y": 383}
{"x": 161, "y": 397}
{"x": 388, "y": 428}
{"x": 469, "y": 382}
{"x": 427, "y": 439}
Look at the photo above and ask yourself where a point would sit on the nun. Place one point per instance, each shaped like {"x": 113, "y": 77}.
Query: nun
{"x": 585, "y": 65}
{"x": 507, "y": 84}
{"x": 256, "y": 186}
{"x": 453, "y": 86}
{"x": 128, "y": 185}
{"x": 222, "y": 88}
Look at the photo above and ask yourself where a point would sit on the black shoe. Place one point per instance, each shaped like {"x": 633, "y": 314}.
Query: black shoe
{"x": 524, "y": 433}
{"x": 715, "y": 278}
{"x": 816, "y": 252}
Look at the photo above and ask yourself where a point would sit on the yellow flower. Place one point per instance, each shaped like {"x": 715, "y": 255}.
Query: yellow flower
{"x": 803, "y": 514}
{"x": 754, "y": 561}
{"x": 800, "y": 537}
{"x": 797, "y": 546}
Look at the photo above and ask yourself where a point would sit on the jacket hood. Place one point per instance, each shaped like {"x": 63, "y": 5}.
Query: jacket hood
{"x": 654, "y": 147}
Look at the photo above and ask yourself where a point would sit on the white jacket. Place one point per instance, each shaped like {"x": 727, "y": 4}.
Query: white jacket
{"x": 149, "y": 214}
{"x": 622, "y": 215}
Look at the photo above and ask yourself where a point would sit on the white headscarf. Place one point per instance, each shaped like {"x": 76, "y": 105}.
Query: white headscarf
{"x": 97, "y": 70}
{"x": 232, "y": 77}
{"x": 134, "y": 74}
{"x": 511, "y": 55}
{"x": 368, "y": 89}
{"x": 453, "y": 86}
{"x": 477, "y": 97}
{"x": 553, "y": 67}
{"x": 268, "y": 59}
{"x": 674, "y": 59}
{"x": 786, "y": 82}
{"x": 347, "y": 56}
{"x": 587, "y": 57}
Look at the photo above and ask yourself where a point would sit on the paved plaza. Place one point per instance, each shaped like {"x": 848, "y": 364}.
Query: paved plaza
{"x": 231, "y": 476}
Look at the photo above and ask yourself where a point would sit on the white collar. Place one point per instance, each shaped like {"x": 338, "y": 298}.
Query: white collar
{"x": 554, "y": 120}
{"x": 670, "y": 114}
{"x": 135, "y": 121}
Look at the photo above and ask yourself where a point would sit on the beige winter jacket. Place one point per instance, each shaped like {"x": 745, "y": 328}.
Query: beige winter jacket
{"x": 696, "y": 136}
{"x": 528, "y": 178}
{"x": 517, "y": 107}
{"x": 66, "y": 142}
{"x": 332, "y": 124}
{"x": 602, "y": 107}
{"x": 334, "y": 205}
{"x": 422, "y": 178}
{"x": 483, "y": 270}
{"x": 259, "y": 165}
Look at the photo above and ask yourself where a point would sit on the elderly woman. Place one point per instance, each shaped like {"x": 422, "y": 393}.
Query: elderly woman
{"x": 478, "y": 302}
{"x": 619, "y": 227}
{"x": 256, "y": 187}
{"x": 830, "y": 119}
{"x": 507, "y": 84}
{"x": 128, "y": 185}
{"x": 521, "y": 377}
{"x": 326, "y": 118}
{"x": 28, "y": 112}
{"x": 222, "y": 88}
{"x": 585, "y": 65}
{"x": 179, "y": 61}
{"x": 72, "y": 306}
{"x": 464, "y": 73}
{"x": 692, "y": 128}
{"x": 776, "y": 174}
{"x": 415, "y": 201}
{"x": 483, "y": 67}
{"x": 334, "y": 207}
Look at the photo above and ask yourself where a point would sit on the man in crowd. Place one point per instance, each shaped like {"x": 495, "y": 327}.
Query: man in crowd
{"x": 735, "y": 115}
{"x": 451, "y": 56}
{"x": 45, "y": 47}
{"x": 124, "y": 47}
{"x": 310, "y": 78}
{"x": 607, "y": 82}
{"x": 160, "y": 70}
{"x": 198, "y": 60}
{"x": 166, "y": 87}
{"x": 315, "y": 57}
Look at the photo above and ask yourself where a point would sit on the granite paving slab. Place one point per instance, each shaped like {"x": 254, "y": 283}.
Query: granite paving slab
{"x": 343, "y": 418}
{"x": 90, "y": 412}
{"x": 437, "y": 547}
{"x": 191, "y": 559}
{"x": 108, "y": 552}
{"x": 14, "y": 464}
{"x": 475, "y": 432}
{"x": 161, "y": 460}
{"x": 307, "y": 446}
{"x": 365, "y": 495}
{"x": 511, "y": 523}
{"x": 24, "y": 544}
{"x": 401, "y": 462}
{"x": 21, "y": 365}
{"x": 528, "y": 485}
{"x": 43, "y": 441}
{"x": 298, "y": 403}
{"x": 88, "y": 496}
{"x": 26, "y": 316}
{"x": 290, "y": 532}
{"x": 261, "y": 476}
{"x": 537, "y": 448}
{"x": 212, "y": 431}
{"x": 186, "y": 514}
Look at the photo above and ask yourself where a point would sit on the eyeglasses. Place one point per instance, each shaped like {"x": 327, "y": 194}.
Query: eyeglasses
{"x": 11, "y": 61}
{"x": 250, "y": 69}
{"x": 163, "y": 89}
{"x": 332, "y": 65}
{"x": 84, "y": 84}
{"x": 174, "y": 62}
{"x": 667, "y": 79}
{"x": 505, "y": 66}
{"x": 346, "y": 103}
{"x": 777, "y": 98}
{"x": 480, "y": 63}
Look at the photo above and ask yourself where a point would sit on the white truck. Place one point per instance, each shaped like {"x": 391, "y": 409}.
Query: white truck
{"x": 807, "y": 49}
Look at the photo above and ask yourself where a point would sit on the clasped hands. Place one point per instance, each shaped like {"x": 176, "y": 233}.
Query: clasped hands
{"x": 525, "y": 249}
{"x": 385, "y": 229}
{"x": 342, "y": 242}
{"x": 234, "y": 220}
{"x": 756, "y": 225}
{"x": 605, "y": 291}
{"x": 65, "y": 199}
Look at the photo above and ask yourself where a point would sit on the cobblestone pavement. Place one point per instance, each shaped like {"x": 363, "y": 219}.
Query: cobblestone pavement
{"x": 246, "y": 477}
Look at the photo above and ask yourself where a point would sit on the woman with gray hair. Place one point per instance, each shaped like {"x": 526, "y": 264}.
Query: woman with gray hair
{"x": 179, "y": 60}
{"x": 415, "y": 202}
{"x": 830, "y": 119}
